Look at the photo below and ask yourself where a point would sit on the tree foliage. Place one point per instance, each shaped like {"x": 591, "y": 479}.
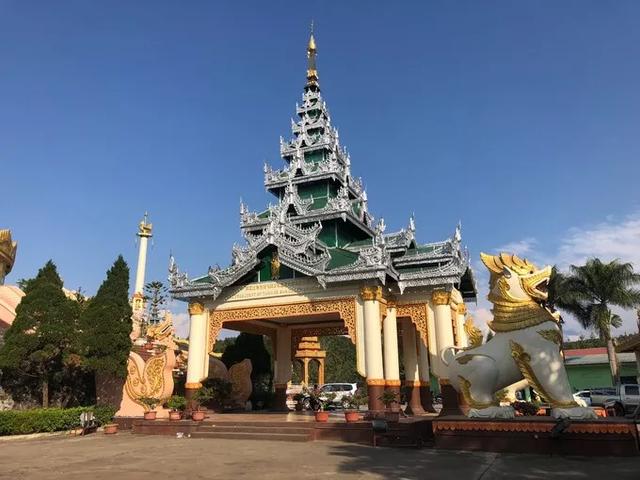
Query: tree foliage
{"x": 247, "y": 345}
{"x": 106, "y": 324}
{"x": 340, "y": 363}
{"x": 253, "y": 347}
{"x": 42, "y": 342}
{"x": 155, "y": 295}
{"x": 589, "y": 291}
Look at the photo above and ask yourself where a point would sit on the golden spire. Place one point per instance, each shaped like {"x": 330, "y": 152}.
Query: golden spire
{"x": 312, "y": 72}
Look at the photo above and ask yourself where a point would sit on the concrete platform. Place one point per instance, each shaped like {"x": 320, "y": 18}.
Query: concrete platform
{"x": 293, "y": 426}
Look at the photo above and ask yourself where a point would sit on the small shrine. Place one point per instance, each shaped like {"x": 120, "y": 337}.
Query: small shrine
{"x": 309, "y": 350}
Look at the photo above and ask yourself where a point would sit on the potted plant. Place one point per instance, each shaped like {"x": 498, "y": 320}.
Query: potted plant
{"x": 202, "y": 396}
{"x": 298, "y": 398}
{"x": 388, "y": 398}
{"x": 220, "y": 392}
{"x": 525, "y": 409}
{"x": 150, "y": 404}
{"x": 110, "y": 428}
{"x": 352, "y": 404}
{"x": 324, "y": 401}
{"x": 177, "y": 404}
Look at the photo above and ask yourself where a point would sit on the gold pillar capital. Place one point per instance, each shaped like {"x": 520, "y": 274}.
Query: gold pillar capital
{"x": 462, "y": 309}
{"x": 196, "y": 308}
{"x": 440, "y": 297}
{"x": 371, "y": 293}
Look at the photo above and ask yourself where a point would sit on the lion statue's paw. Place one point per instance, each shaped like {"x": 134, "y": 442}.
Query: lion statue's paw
{"x": 492, "y": 412}
{"x": 574, "y": 413}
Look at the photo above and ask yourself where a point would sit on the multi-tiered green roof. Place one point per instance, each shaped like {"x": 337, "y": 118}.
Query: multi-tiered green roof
{"x": 321, "y": 226}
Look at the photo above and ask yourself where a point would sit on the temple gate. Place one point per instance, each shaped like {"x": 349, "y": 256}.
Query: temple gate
{"x": 316, "y": 263}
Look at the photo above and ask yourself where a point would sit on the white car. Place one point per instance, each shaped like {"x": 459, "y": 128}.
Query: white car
{"x": 583, "y": 398}
{"x": 340, "y": 390}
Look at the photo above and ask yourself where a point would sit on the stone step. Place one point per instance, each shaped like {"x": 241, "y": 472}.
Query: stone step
{"x": 265, "y": 424}
{"x": 254, "y": 429}
{"x": 283, "y": 437}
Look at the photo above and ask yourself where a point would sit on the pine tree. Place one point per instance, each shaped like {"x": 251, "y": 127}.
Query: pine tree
{"x": 106, "y": 324}
{"x": 156, "y": 298}
{"x": 42, "y": 341}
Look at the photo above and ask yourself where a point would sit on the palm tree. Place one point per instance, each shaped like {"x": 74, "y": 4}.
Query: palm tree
{"x": 588, "y": 292}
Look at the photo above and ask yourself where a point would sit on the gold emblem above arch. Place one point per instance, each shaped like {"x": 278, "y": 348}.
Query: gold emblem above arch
{"x": 417, "y": 312}
{"x": 344, "y": 307}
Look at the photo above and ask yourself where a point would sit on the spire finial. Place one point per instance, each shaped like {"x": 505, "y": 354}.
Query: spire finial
{"x": 312, "y": 73}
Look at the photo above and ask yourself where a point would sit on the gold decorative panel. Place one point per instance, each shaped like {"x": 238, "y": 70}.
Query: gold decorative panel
{"x": 417, "y": 312}
{"x": 345, "y": 307}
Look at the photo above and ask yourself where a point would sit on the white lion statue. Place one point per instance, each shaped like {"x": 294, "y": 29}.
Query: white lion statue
{"x": 526, "y": 344}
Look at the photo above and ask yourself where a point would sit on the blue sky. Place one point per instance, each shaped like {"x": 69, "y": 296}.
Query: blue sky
{"x": 519, "y": 119}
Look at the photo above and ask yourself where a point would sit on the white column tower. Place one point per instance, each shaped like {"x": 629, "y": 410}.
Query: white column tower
{"x": 144, "y": 234}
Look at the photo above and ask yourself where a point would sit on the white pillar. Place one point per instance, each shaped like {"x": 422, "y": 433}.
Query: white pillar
{"x": 431, "y": 335}
{"x": 372, "y": 337}
{"x": 444, "y": 330}
{"x": 462, "y": 340}
{"x": 144, "y": 234}
{"x": 142, "y": 262}
{"x": 197, "y": 345}
{"x": 409, "y": 354}
{"x": 283, "y": 356}
{"x": 390, "y": 333}
{"x": 423, "y": 364}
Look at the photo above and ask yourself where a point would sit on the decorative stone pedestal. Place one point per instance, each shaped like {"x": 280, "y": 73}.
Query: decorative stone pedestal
{"x": 540, "y": 435}
{"x": 414, "y": 406}
{"x": 280, "y": 398}
{"x": 450, "y": 400}
{"x": 426, "y": 398}
{"x": 374, "y": 392}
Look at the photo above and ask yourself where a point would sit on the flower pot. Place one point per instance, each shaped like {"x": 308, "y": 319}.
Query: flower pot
{"x": 351, "y": 416}
{"x": 322, "y": 416}
{"x": 392, "y": 416}
{"x": 110, "y": 428}
{"x": 197, "y": 415}
{"x": 175, "y": 415}
{"x": 150, "y": 415}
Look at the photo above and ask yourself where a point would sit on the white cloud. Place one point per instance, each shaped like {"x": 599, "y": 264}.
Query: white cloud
{"x": 521, "y": 248}
{"x": 181, "y": 321}
{"x": 181, "y": 324}
{"x": 608, "y": 240}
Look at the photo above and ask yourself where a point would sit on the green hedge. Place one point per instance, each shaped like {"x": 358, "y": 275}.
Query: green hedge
{"x": 19, "y": 422}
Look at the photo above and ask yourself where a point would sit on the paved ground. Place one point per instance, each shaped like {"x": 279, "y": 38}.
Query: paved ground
{"x": 129, "y": 457}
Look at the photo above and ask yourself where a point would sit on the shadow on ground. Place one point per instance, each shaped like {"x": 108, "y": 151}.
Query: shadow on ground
{"x": 414, "y": 464}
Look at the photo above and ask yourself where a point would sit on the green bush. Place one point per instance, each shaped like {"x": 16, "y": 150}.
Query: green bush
{"x": 20, "y": 422}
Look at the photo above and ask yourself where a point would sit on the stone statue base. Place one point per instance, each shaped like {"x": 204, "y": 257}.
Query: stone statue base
{"x": 492, "y": 412}
{"x": 574, "y": 413}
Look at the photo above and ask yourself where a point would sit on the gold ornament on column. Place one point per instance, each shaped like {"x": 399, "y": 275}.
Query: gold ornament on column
{"x": 440, "y": 297}
{"x": 461, "y": 309}
{"x": 196, "y": 308}
{"x": 371, "y": 293}
{"x": 275, "y": 266}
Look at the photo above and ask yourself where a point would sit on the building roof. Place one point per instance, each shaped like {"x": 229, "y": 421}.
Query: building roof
{"x": 321, "y": 226}
{"x": 593, "y": 356}
{"x": 630, "y": 344}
